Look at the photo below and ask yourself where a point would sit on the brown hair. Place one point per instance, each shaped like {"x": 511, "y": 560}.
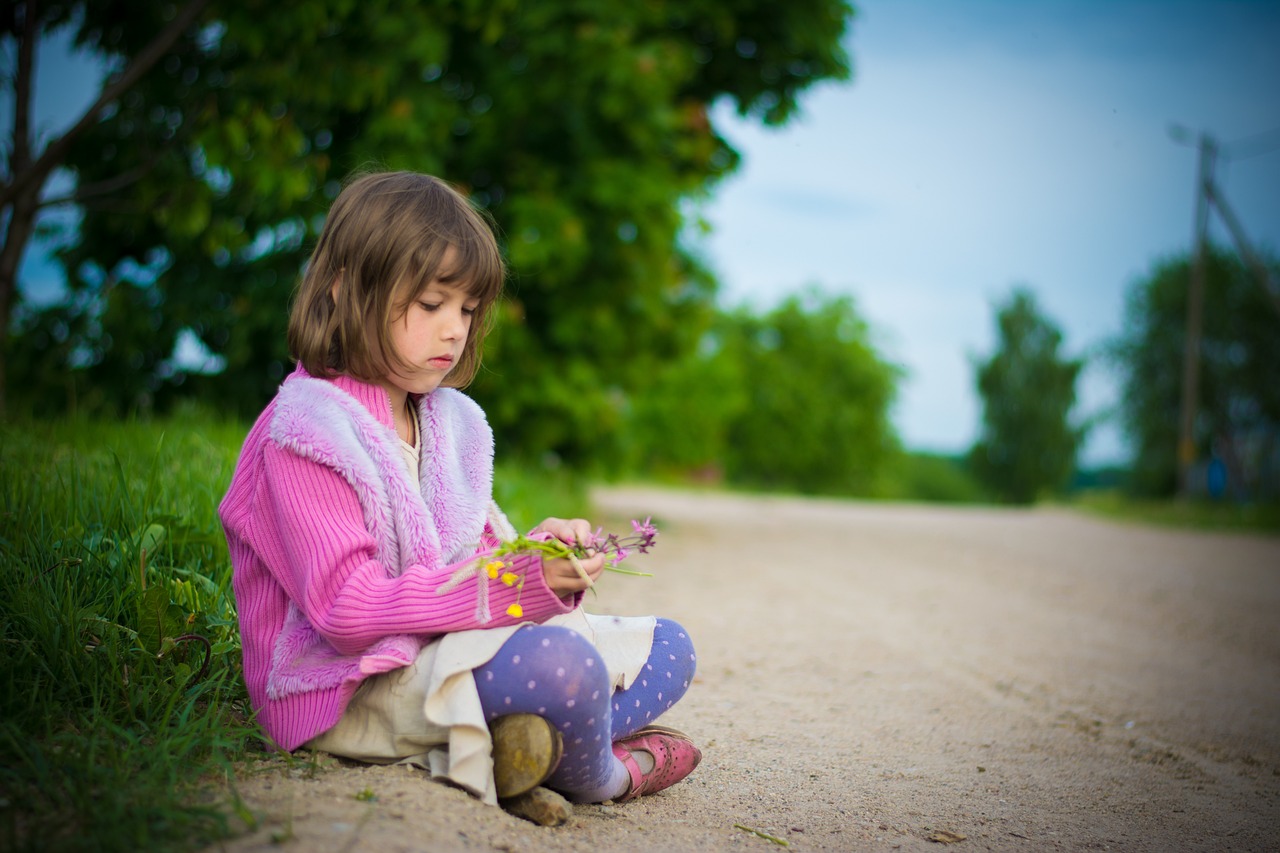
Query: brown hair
{"x": 382, "y": 244}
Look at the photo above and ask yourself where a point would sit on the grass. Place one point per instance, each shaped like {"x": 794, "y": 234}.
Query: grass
{"x": 1194, "y": 515}
{"x": 121, "y": 699}
{"x": 119, "y": 657}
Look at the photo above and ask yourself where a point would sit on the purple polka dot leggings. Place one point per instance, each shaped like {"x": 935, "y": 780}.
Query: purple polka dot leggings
{"x": 557, "y": 674}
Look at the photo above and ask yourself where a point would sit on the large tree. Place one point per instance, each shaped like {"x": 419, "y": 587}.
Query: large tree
{"x": 1027, "y": 445}
{"x": 1237, "y": 417}
{"x": 581, "y": 125}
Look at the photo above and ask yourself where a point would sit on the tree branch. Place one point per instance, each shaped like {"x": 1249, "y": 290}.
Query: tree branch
{"x": 22, "y": 90}
{"x": 117, "y": 86}
{"x": 87, "y": 191}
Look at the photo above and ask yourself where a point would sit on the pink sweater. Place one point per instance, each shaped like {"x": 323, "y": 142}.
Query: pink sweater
{"x": 337, "y": 557}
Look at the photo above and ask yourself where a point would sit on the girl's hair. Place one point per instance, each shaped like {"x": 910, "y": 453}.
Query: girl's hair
{"x": 383, "y": 242}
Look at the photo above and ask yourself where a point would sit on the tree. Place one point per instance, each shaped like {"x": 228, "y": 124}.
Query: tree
{"x": 580, "y": 124}
{"x": 813, "y": 398}
{"x": 29, "y": 166}
{"x": 1238, "y": 417}
{"x": 1027, "y": 445}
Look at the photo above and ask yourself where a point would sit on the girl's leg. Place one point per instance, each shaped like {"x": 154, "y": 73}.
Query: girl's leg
{"x": 663, "y": 680}
{"x": 557, "y": 674}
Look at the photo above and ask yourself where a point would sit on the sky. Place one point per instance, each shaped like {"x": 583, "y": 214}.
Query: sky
{"x": 983, "y": 145}
{"x": 978, "y": 146}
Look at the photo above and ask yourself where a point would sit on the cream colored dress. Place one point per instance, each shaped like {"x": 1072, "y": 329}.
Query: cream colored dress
{"x": 429, "y": 714}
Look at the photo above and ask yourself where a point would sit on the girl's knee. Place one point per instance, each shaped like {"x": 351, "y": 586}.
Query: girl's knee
{"x": 673, "y": 648}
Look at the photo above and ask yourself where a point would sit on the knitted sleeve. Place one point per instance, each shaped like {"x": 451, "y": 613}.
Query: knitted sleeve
{"x": 309, "y": 531}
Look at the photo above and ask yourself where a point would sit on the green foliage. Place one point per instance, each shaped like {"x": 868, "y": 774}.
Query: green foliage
{"x": 794, "y": 399}
{"x": 933, "y": 478}
{"x": 1027, "y": 446}
{"x": 677, "y": 424}
{"x": 530, "y": 493}
{"x": 582, "y": 126}
{"x": 1238, "y": 415}
{"x": 818, "y": 399}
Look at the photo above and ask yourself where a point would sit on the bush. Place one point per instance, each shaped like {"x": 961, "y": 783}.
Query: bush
{"x": 935, "y": 478}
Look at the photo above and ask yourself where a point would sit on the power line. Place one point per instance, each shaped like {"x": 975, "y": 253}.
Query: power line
{"x": 1252, "y": 146}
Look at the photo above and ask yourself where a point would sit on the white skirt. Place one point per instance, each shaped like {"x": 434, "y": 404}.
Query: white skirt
{"x": 428, "y": 713}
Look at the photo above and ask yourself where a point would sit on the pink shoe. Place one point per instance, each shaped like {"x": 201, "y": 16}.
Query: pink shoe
{"x": 674, "y": 757}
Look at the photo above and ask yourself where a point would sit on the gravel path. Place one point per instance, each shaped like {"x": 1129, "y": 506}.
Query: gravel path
{"x": 885, "y": 677}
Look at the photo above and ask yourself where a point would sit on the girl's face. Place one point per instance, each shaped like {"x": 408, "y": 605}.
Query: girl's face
{"x": 431, "y": 335}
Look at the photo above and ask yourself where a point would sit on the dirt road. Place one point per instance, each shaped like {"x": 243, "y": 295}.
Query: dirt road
{"x": 883, "y": 677}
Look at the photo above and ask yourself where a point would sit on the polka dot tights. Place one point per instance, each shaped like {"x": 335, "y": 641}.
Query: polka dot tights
{"x": 557, "y": 674}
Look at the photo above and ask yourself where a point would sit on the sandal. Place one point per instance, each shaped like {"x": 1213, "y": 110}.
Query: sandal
{"x": 526, "y": 750}
{"x": 674, "y": 758}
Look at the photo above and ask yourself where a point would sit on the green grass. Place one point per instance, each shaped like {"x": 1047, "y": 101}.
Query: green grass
{"x": 114, "y": 589}
{"x": 1194, "y": 515}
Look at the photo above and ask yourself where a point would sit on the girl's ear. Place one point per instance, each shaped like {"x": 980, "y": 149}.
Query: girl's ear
{"x": 333, "y": 290}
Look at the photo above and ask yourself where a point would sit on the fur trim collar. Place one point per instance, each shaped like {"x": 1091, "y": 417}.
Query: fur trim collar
{"x": 434, "y": 522}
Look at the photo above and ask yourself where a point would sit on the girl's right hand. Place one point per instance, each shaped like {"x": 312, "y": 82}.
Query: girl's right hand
{"x": 563, "y": 579}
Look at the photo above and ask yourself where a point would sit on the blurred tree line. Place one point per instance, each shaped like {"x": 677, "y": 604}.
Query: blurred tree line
{"x": 1237, "y": 424}
{"x": 1028, "y": 442}
{"x": 795, "y": 398}
{"x": 581, "y": 125}
{"x": 224, "y": 130}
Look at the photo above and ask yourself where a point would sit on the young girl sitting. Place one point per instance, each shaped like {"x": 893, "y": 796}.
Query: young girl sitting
{"x": 366, "y": 484}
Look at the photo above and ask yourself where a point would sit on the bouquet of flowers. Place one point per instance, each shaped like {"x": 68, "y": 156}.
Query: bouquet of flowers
{"x": 497, "y": 563}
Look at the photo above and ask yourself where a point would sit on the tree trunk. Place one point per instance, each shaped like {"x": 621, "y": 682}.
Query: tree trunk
{"x": 22, "y": 220}
{"x": 22, "y": 208}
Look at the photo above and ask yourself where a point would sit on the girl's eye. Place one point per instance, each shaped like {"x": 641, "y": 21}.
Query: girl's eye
{"x": 470, "y": 310}
{"x": 428, "y": 306}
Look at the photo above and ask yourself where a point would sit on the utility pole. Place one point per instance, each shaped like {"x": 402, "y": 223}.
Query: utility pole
{"x": 1209, "y": 195}
{"x": 1195, "y": 312}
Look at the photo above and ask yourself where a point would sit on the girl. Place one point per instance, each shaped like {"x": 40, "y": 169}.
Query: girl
{"x": 366, "y": 484}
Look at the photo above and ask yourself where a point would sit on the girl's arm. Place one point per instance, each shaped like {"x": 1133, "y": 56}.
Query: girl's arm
{"x": 312, "y": 536}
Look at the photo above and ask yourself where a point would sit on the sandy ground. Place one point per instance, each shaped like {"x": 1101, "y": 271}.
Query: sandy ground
{"x": 885, "y": 677}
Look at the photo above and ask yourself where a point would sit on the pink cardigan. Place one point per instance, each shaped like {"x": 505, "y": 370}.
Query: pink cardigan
{"x": 338, "y": 557}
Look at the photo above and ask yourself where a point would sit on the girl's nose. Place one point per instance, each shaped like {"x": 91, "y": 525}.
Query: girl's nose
{"x": 457, "y": 325}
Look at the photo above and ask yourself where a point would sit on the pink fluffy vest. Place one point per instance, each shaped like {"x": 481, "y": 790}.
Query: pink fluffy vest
{"x": 433, "y": 523}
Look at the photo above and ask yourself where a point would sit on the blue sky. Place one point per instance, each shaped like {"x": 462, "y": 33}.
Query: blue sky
{"x": 986, "y": 144}
{"x": 979, "y": 145}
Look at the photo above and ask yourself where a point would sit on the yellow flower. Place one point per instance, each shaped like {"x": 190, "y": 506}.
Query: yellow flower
{"x": 509, "y": 578}
{"x": 493, "y": 568}
{"x": 515, "y": 611}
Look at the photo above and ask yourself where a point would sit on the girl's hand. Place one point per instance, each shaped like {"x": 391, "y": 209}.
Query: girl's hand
{"x": 562, "y": 578}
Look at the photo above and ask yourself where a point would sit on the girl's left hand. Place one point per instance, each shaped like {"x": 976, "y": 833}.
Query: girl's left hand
{"x": 562, "y": 578}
